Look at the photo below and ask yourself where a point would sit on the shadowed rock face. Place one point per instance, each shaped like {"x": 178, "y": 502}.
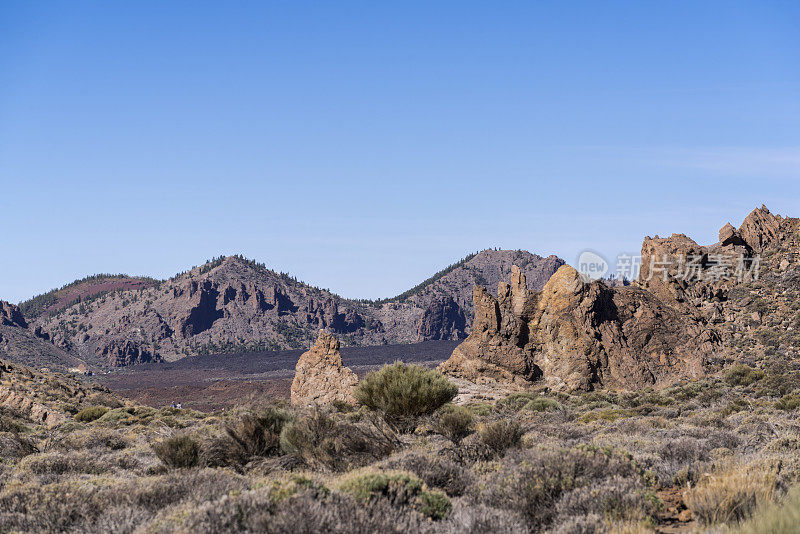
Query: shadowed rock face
{"x": 579, "y": 336}
{"x": 10, "y": 315}
{"x": 321, "y": 377}
{"x": 121, "y": 352}
{"x": 442, "y": 319}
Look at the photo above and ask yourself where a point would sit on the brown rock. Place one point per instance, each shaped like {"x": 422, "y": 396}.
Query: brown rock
{"x": 726, "y": 232}
{"x": 760, "y": 228}
{"x": 579, "y": 336}
{"x": 10, "y": 315}
{"x": 320, "y": 376}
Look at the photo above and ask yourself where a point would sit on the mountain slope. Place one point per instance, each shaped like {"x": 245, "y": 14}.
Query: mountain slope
{"x": 25, "y": 345}
{"x": 233, "y": 304}
{"x": 81, "y": 290}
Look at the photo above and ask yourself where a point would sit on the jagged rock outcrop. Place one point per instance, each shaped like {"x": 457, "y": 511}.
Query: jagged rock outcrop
{"x": 683, "y": 318}
{"x": 122, "y": 352}
{"x": 10, "y": 315}
{"x": 760, "y": 228}
{"x": 576, "y": 335}
{"x": 320, "y": 375}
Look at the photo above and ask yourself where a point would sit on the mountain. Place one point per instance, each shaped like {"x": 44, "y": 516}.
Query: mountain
{"x": 232, "y": 304}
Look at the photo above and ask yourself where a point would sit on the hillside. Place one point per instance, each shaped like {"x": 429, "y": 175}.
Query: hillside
{"x": 87, "y": 288}
{"x": 232, "y": 305}
{"x": 25, "y": 345}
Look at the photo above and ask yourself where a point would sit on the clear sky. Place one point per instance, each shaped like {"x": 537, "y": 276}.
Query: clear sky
{"x": 362, "y": 146}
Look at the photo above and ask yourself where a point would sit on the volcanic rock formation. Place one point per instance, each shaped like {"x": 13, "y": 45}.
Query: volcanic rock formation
{"x": 576, "y": 335}
{"x": 678, "y": 321}
{"x": 10, "y": 315}
{"x": 320, "y": 376}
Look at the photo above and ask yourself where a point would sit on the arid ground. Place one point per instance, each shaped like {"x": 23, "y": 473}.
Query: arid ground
{"x": 218, "y": 381}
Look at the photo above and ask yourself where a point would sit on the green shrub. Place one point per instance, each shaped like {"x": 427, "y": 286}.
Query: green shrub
{"x": 180, "y": 451}
{"x": 788, "y": 403}
{"x": 401, "y": 490}
{"x": 501, "y": 435}
{"x": 610, "y": 415}
{"x": 778, "y": 382}
{"x": 542, "y": 404}
{"x": 435, "y": 471}
{"x": 285, "y": 488}
{"x": 742, "y": 375}
{"x": 453, "y": 422}
{"x": 91, "y": 413}
{"x": 515, "y": 401}
{"x": 403, "y": 393}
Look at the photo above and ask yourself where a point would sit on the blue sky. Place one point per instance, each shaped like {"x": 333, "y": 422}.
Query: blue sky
{"x": 364, "y": 145}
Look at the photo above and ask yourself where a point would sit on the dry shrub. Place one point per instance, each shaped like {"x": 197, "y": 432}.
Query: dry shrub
{"x": 62, "y": 463}
{"x": 15, "y": 446}
{"x": 434, "y": 471}
{"x": 306, "y": 512}
{"x": 320, "y": 441}
{"x": 453, "y": 422}
{"x": 731, "y": 493}
{"x": 91, "y": 413}
{"x": 743, "y": 375}
{"x": 775, "y": 518}
{"x": 92, "y": 438}
{"x": 181, "y": 451}
{"x": 82, "y": 504}
{"x": 403, "y": 393}
{"x": 476, "y": 519}
{"x": 256, "y": 434}
{"x": 499, "y": 436}
{"x": 545, "y": 486}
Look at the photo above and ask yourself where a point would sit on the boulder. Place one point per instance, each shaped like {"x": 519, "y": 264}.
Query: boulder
{"x": 320, "y": 375}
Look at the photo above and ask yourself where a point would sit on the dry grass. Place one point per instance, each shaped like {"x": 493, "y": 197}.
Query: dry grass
{"x": 731, "y": 492}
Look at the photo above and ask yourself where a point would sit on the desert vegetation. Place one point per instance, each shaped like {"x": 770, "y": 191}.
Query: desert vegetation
{"x": 715, "y": 455}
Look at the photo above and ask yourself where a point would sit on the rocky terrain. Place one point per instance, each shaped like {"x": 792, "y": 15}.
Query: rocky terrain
{"x": 690, "y": 312}
{"x": 670, "y": 405}
{"x": 22, "y": 343}
{"x": 82, "y": 290}
{"x": 235, "y": 305}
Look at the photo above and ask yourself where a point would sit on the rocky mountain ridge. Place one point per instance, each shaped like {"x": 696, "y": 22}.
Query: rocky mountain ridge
{"x": 232, "y": 304}
{"x": 692, "y": 310}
